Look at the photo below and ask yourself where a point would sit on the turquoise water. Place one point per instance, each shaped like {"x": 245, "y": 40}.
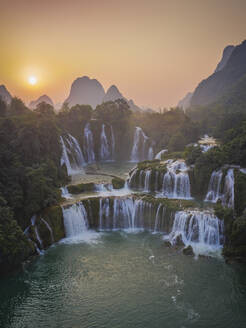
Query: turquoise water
{"x": 119, "y": 280}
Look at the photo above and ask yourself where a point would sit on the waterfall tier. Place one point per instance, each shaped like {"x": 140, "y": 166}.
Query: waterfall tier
{"x": 197, "y": 228}
{"x": 141, "y": 149}
{"x": 215, "y": 186}
{"x": 72, "y": 155}
{"x": 88, "y": 144}
{"x": 160, "y": 154}
{"x": 171, "y": 181}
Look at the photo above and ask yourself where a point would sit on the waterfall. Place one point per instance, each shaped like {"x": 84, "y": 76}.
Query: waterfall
{"x": 160, "y": 154}
{"x": 75, "y": 219}
{"x": 112, "y": 143}
{"x": 125, "y": 213}
{"x": 33, "y": 223}
{"x": 105, "y": 153}
{"x": 72, "y": 155}
{"x": 89, "y": 144}
{"x": 139, "y": 146}
{"x": 147, "y": 180}
{"x": 65, "y": 193}
{"x": 214, "y": 188}
{"x": 196, "y": 228}
{"x": 213, "y": 193}
{"x": 176, "y": 182}
{"x": 49, "y": 228}
{"x": 158, "y": 217}
{"x": 228, "y": 192}
{"x": 150, "y": 153}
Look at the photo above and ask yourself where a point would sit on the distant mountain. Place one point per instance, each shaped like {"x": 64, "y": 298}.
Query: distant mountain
{"x": 86, "y": 91}
{"x": 185, "y": 102}
{"x": 4, "y": 94}
{"x": 113, "y": 94}
{"x": 225, "y": 57}
{"x": 219, "y": 83}
{"x": 33, "y": 104}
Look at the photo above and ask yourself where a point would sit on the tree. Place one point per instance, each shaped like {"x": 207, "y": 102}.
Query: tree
{"x": 3, "y": 107}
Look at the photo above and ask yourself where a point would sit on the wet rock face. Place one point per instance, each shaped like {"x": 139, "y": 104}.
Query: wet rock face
{"x": 188, "y": 251}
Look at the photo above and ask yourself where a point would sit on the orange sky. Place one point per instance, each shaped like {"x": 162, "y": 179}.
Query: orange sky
{"x": 155, "y": 51}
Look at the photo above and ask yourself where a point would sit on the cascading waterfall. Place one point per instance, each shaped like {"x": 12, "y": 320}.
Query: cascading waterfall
{"x": 176, "y": 182}
{"x": 49, "y": 228}
{"x": 105, "y": 153}
{"x": 213, "y": 193}
{"x": 139, "y": 149}
{"x": 214, "y": 188}
{"x": 112, "y": 142}
{"x": 160, "y": 154}
{"x": 72, "y": 155}
{"x": 147, "y": 180}
{"x": 89, "y": 144}
{"x": 228, "y": 192}
{"x": 150, "y": 153}
{"x": 202, "y": 230}
{"x": 75, "y": 219}
{"x": 125, "y": 213}
{"x": 65, "y": 193}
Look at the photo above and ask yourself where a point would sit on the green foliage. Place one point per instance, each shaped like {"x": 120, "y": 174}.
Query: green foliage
{"x": 14, "y": 246}
{"x": 239, "y": 192}
{"x": 45, "y": 109}
{"x": 3, "y": 108}
{"x": 118, "y": 183}
{"x": 80, "y": 188}
{"x": 191, "y": 154}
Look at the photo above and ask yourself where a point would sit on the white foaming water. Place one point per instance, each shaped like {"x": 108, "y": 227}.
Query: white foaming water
{"x": 202, "y": 230}
{"x": 147, "y": 180}
{"x": 33, "y": 223}
{"x": 214, "y": 188}
{"x": 112, "y": 142}
{"x": 139, "y": 149}
{"x": 213, "y": 193}
{"x": 89, "y": 144}
{"x": 72, "y": 155}
{"x": 65, "y": 193}
{"x": 228, "y": 192}
{"x": 105, "y": 153}
{"x": 176, "y": 182}
{"x": 75, "y": 220}
{"x": 49, "y": 228}
{"x": 150, "y": 153}
{"x": 160, "y": 154}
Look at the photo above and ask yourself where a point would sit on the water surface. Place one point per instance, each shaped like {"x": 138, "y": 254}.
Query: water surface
{"x": 119, "y": 280}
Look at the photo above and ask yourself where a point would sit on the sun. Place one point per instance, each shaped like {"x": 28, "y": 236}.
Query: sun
{"x": 32, "y": 80}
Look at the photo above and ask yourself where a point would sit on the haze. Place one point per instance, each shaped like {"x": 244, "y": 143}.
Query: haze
{"x": 154, "y": 51}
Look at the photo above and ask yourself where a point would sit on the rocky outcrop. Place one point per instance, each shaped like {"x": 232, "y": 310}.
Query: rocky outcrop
{"x": 86, "y": 91}
{"x": 113, "y": 94}
{"x": 185, "y": 102}
{"x": 33, "y": 104}
{"x": 4, "y": 94}
{"x": 225, "y": 57}
{"x": 219, "y": 83}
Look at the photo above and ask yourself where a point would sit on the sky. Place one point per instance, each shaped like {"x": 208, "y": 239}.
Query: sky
{"x": 154, "y": 51}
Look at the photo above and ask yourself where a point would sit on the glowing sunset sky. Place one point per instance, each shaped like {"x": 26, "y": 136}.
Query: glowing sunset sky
{"x": 154, "y": 51}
